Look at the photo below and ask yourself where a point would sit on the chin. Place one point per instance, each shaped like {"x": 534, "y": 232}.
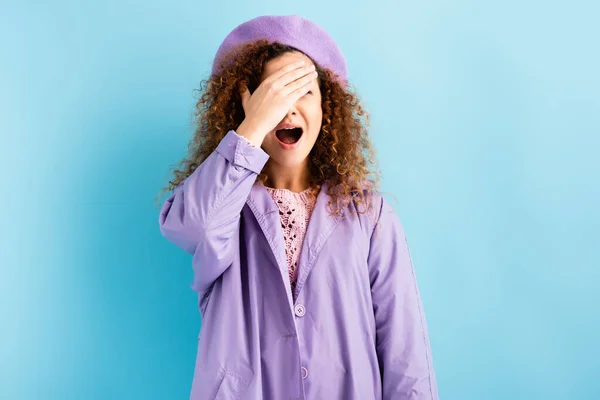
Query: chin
{"x": 288, "y": 160}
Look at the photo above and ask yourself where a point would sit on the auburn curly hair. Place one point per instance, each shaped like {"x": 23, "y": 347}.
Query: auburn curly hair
{"x": 342, "y": 155}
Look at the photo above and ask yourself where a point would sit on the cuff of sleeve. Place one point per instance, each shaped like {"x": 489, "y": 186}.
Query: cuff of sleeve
{"x": 237, "y": 150}
{"x": 246, "y": 140}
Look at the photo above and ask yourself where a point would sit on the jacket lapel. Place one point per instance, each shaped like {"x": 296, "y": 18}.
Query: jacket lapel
{"x": 267, "y": 214}
{"x": 320, "y": 227}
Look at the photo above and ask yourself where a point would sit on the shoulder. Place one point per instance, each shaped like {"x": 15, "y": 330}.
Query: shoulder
{"x": 366, "y": 205}
{"x": 381, "y": 216}
{"x": 367, "y": 196}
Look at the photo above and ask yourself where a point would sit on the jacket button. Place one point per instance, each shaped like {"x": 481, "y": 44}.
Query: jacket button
{"x": 304, "y": 373}
{"x": 299, "y": 310}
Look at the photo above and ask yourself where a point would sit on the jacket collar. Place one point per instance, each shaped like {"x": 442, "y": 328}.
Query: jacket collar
{"x": 320, "y": 227}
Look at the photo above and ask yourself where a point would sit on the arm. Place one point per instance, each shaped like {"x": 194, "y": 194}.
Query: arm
{"x": 402, "y": 342}
{"x": 203, "y": 212}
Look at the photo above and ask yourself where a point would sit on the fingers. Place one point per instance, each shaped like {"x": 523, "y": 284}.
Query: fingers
{"x": 300, "y": 86}
{"x": 285, "y": 70}
{"x": 296, "y": 74}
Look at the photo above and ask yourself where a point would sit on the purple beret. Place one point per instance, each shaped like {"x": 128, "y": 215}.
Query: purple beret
{"x": 291, "y": 30}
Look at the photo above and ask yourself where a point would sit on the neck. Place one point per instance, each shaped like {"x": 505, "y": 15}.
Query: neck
{"x": 295, "y": 178}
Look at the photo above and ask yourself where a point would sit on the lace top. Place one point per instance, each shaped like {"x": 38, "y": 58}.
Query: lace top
{"x": 295, "y": 210}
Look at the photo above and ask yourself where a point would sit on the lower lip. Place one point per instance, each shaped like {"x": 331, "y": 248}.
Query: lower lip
{"x": 286, "y": 146}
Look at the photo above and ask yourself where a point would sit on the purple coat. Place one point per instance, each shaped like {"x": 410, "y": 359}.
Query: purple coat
{"x": 356, "y": 330}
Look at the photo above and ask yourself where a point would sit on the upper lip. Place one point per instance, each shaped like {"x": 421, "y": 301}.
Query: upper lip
{"x": 287, "y": 125}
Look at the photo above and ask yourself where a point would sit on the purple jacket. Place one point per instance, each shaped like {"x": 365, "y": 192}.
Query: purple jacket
{"x": 356, "y": 330}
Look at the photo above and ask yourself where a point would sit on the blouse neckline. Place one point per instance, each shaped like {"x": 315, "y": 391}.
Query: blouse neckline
{"x": 286, "y": 194}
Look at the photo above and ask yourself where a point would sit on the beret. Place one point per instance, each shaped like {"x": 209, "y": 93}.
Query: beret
{"x": 291, "y": 30}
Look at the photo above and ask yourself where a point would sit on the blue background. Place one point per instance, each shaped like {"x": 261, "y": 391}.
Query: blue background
{"x": 486, "y": 118}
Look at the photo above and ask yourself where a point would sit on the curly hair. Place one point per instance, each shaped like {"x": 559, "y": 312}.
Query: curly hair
{"x": 342, "y": 155}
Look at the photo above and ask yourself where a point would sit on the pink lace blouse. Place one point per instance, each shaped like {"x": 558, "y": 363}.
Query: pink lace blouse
{"x": 295, "y": 210}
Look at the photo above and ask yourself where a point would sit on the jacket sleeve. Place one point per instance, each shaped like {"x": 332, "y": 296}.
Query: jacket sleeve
{"x": 402, "y": 340}
{"x": 203, "y": 212}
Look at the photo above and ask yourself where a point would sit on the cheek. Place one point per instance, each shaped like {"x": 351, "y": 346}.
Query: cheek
{"x": 269, "y": 142}
{"x": 315, "y": 113}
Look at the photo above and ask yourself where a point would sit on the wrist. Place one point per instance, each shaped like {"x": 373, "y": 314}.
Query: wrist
{"x": 250, "y": 133}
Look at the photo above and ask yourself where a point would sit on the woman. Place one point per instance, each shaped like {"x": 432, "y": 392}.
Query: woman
{"x": 305, "y": 283}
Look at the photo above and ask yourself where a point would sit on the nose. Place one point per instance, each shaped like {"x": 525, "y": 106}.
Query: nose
{"x": 292, "y": 111}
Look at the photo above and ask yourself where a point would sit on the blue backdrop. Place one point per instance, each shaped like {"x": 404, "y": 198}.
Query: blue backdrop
{"x": 486, "y": 118}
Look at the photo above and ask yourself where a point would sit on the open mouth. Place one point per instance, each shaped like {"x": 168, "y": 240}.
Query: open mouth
{"x": 289, "y": 136}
